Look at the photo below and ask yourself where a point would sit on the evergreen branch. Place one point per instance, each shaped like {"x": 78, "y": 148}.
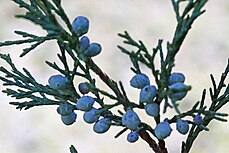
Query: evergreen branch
{"x": 25, "y": 34}
{"x": 212, "y": 112}
{"x": 184, "y": 25}
{"x": 28, "y": 83}
{"x": 43, "y": 13}
{"x": 36, "y": 101}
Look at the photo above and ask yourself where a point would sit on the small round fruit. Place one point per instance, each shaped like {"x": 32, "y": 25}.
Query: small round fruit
{"x": 85, "y": 103}
{"x": 80, "y": 25}
{"x": 65, "y": 109}
{"x": 198, "y": 119}
{"x": 93, "y": 50}
{"x": 58, "y": 82}
{"x": 102, "y": 125}
{"x": 91, "y": 116}
{"x": 178, "y": 91}
{"x": 162, "y": 130}
{"x": 84, "y": 43}
{"x": 182, "y": 126}
{"x": 176, "y": 77}
{"x": 69, "y": 119}
{"x": 147, "y": 94}
{"x": 132, "y": 136}
{"x": 152, "y": 109}
{"x": 83, "y": 88}
{"x": 139, "y": 81}
{"x": 130, "y": 119}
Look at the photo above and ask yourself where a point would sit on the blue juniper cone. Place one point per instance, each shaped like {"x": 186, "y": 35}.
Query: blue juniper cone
{"x": 133, "y": 136}
{"x": 85, "y": 103}
{"x": 93, "y": 50}
{"x": 102, "y": 125}
{"x": 178, "y": 91}
{"x": 84, "y": 43}
{"x": 83, "y": 88}
{"x": 80, "y": 25}
{"x": 91, "y": 116}
{"x": 58, "y": 82}
{"x": 176, "y": 77}
{"x": 65, "y": 109}
{"x": 152, "y": 109}
{"x": 198, "y": 119}
{"x": 139, "y": 81}
{"x": 69, "y": 119}
{"x": 162, "y": 130}
{"x": 147, "y": 94}
{"x": 130, "y": 119}
{"x": 182, "y": 126}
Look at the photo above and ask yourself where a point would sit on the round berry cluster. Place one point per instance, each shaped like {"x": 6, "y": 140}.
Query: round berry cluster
{"x": 102, "y": 118}
{"x": 148, "y": 92}
{"x": 86, "y": 49}
{"x": 177, "y": 87}
{"x": 130, "y": 118}
{"x": 84, "y": 103}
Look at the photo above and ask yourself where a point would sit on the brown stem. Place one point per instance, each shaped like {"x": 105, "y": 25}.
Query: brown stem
{"x": 107, "y": 80}
{"x": 152, "y": 143}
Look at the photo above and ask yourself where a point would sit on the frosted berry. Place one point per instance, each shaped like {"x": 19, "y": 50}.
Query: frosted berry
{"x": 152, "y": 109}
{"x": 91, "y": 116}
{"x": 65, "y": 109}
{"x": 85, "y": 103}
{"x": 198, "y": 119}
{"x": 163, "y": 130}
{"x": 84, "y": 43}
{"x": 102, "y": 125}
{"x": 58, "y": 82}
{"x": 147, "y": 94}
{"x": 182, "y": 126}
{"x": 176, "y": 77}
{"x": 69, "y": 119}
{"x": 179, "y": 91}
{"x": 132, "y": 136}
{"x": 139, "y": 81}
{"x": 83, "y": 88}
{"x": 80, "y": 25}
{"x": 93, "y": 50}
{"x": 130, "y": 119}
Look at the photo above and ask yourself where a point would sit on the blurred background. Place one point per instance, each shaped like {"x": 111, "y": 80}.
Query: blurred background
{"x": 205, "y": 51}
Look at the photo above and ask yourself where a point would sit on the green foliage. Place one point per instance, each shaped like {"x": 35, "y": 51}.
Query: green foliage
{"x": 43, "y": 13}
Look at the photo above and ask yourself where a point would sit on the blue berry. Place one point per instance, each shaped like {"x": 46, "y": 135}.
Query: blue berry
{"x": 132, "y": 136}
{"x": 85, "y": 103}
{"x": 69, "y": 119}
{"x": 91, "y": 116}
{"x": 152, "y": 109}
{"x": 65, "y": 109}
{"x": 80, "y": 25}
{"x": 84, "y": 43}
{"x": 93, "y": 50}
{"x": 198, "y": 119}
{"x": 176, "y": 77}
{"x": 182, "y": 126}
{"x": 162, "y": 130}
{"x": 178, "y": 91}
{"x": 102, "y": 125}
{"x": 130, "y": 119}
{"x": 139, "y": 81}
{"x": 83, "y": 88}
{"x": 58, "y": 82}
{"x": 147, "y": 94}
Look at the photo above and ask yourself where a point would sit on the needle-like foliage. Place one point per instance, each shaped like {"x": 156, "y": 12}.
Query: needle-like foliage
{"x": 65, "y": 95}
